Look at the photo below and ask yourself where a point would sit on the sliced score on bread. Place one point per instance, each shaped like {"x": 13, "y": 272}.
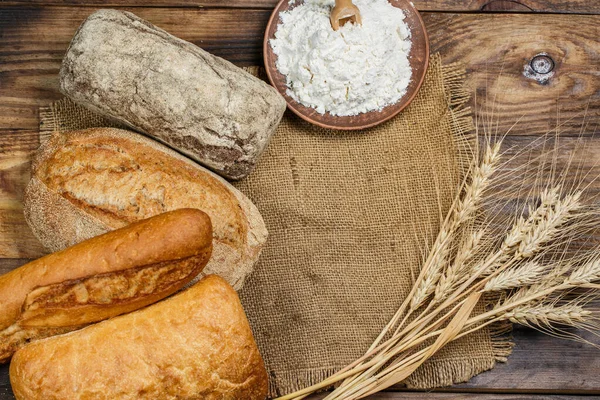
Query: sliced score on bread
{"x": 85, "y": 183}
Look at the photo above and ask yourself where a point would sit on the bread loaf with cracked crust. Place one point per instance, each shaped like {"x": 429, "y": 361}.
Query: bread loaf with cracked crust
{"x": 205, "y": 107}
{"x": 194, "y": 345}
{"x": 88, "y": 182}
{"x": 108, "y": 275}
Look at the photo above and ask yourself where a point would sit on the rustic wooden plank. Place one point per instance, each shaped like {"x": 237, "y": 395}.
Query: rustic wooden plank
{"x": 497, "y": 51}
{"x": 539, "y": 364}
{"x": 16, "y": 239}
{"x": 458, "y": 396}
{"x": 529, "y": 6}
{"x": 8, "y": 264}
{"x": 482, "y": 396}
{"x": 552, "y": 6}
{"x": 30, "y": 56}
{"x": 543, "y": 364}
{"x": 495, "y": 48}
{"x": 6, "y": 394}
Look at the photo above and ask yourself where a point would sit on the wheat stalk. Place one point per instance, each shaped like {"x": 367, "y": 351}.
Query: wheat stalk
{"x": 428, "y": 283}
{"x": 586, "y": 273}
{"x": 548, "y": 225}
{"x": 464, "y": 211}
{"x": 455, "y": 273}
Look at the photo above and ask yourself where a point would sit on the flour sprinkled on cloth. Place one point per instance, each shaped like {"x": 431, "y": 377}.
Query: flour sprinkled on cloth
{"x": 346, "y": 72}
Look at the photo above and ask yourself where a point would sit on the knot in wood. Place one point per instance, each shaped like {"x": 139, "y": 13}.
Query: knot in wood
{"x": 540, "y": 68}
{"x": 542, "y": 64}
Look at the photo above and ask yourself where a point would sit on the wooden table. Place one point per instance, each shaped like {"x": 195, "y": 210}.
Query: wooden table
{"x": 495, "y": 39}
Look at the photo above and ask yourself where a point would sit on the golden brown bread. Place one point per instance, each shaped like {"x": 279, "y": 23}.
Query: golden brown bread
{"x": 194, "y": 345}
{"x": 108, "y": 275}
{"x": 88, "y": 182}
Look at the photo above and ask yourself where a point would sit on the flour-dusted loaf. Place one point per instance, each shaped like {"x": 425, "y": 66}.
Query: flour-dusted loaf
{"x": 126, "y": 68}
{"x": 89, "y": 182}
{"x": 105, "y": 276}
{"x": 194, "y": 345}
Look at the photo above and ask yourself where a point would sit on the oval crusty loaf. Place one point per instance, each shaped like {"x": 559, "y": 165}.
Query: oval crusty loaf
{"x": 88, "y": 182}
{"x": 126, "y": 68}
{"x": 194, "y": 345}
{"x": 107, "y": 275}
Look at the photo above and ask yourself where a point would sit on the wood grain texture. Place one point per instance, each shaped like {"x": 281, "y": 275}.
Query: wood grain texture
{"x": 495, "y": 49}
{"x": 401, "y": 395}
{"x": 537, "y": 6}
{"x": 16, "y": 239}
{"x": 8, "y": 264}
{"x": 543, "y": 364}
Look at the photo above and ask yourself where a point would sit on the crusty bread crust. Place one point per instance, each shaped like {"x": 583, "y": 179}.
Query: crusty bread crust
{"x": 39, "y": 296}
{"x": 123, "y": 67}
{"x": 88, "y": 182}
{"x": 54, "y": 220}
{"x": 195, "y": 345}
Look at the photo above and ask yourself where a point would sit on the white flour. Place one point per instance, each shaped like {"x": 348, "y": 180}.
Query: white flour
{"x": 346, "y": 72}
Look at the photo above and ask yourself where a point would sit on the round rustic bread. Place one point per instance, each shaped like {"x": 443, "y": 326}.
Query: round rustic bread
{"x": 88, "y": 182}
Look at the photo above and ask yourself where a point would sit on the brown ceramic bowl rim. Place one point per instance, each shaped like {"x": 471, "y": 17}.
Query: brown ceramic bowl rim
{"x": 291, "y": 103}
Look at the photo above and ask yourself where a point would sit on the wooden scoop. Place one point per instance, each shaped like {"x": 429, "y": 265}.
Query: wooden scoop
{"x": 343, "y": 12}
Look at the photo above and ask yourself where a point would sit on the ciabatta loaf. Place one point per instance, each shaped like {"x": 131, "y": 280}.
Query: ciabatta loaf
{"x": 89, "y": 182}
{"x": 105, "y": 276}
{"x": 194, "y": 345}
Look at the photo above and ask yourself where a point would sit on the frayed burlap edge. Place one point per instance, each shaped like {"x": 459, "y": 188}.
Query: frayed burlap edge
{"x": 47, "y": 123}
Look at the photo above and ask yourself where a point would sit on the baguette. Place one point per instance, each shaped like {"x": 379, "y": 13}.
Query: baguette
{"x": 89, "y": 182}
{"x": 126, "y": 68}
{"x": 108, "y": 275}
{"x": 194, "y": 345}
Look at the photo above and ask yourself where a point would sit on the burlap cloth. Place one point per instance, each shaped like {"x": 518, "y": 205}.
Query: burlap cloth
{"x": 349, "y": 216}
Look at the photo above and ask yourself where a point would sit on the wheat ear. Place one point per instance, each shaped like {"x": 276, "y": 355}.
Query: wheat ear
{"x": 463, "y": 211}
{"x": 526, "y": 274}
{"x": 455, "y": 273}
{"x": 543, "y": 315}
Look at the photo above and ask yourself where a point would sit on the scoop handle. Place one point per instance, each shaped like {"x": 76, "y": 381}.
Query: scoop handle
{"x": 341, "y": 4}
{"x": 343, "y": 9}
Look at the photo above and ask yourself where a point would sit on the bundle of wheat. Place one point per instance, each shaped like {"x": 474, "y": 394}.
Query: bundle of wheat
{"x": 536, "y": 262}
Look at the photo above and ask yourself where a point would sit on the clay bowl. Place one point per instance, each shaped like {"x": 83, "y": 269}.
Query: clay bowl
{"x": 418, "y": 59}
